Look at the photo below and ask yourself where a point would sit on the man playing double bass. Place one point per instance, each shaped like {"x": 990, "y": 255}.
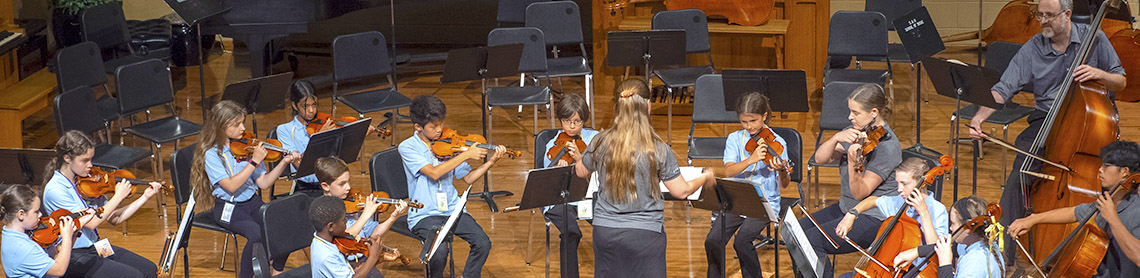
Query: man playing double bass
{"x": 1044, "y": 62}
{"x": 1119, "y": 217}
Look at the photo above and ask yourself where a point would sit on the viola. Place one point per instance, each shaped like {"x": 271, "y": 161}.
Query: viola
{"x": 450, "y": 143}
{"x": 993, "y": 212}
{"x": 774, "y": 147}
{"x": 356, "y": 199}
{"x": 874, "y": 134}
{"x": 99, "y": 182}
{"x": 243, "y": 148}
{"x": 47, "y": 231}
{"x": 559, "y": 150}
{"x": 348, "y": 246}
{"x": 383, "y": 130}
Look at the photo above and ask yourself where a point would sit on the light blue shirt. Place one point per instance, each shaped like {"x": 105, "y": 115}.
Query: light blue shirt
{"x": 369, "y": 224}
{"x": 423, "y": 189}
{"x": 23, "y": 257}
{"x": 225, "y": 166}
{"x": 889, "y": 205}
{"x": 60, "y": 193}
{"x": 975, "y": 261}
{"x": 766, "y": 181}
{"x": 587, "y": 136}
{"x": 326, "y": 260}
{"x": 295, "y": 137}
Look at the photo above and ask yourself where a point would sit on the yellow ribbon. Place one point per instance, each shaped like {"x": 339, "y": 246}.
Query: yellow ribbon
{"x": 995, "y": 230}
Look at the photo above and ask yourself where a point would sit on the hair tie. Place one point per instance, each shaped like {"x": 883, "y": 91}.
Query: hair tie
{"x": 626, "y": 93}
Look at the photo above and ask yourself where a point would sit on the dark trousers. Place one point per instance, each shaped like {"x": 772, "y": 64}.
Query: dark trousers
{"x": 863, "y": 232}
{"x": 722, "y": 228}
{"x": 86, "y": 262}
{"x": 1013, "y": 198}
{"x": 628, "y": 253}
{"x": 569, "y": 236}
{"x": 465, "y": 228}
{"x": 245, "y": 221}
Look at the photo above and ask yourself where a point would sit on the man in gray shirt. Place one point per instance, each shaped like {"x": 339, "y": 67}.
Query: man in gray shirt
{"x": 1044, "y": 62}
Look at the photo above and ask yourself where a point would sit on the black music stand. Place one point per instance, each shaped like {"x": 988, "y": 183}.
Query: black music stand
{"x": 786, "y": 89}
{"x": 481, "y": 63}
{"x": 260, "y": 95}
{"x": 921, "y": 40}
{"x": 737, "y": 197}
{"x": 31, "y": 163}
{"x": 193, "y": 12}
{"x": 648, "y": 48}
{"x": 962, "y": 82}
{"x": 344, "y": 143}
{"x": 553, "y": 186}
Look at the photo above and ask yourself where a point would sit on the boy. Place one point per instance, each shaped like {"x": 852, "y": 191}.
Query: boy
{"x": 327, "y": 216}
{"x": 430, "y": 183}
{"x": 572, "y": 112}
{"x": 332, "y": 173}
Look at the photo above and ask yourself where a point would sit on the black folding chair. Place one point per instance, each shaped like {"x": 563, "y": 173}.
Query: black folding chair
{"x": 363, "y": 56}
{"x": 891, "y": 10}
{"x": 81, "y": 65}
{"x": 533, "y": 61}
{"x": 858, "y": 34}
{"x": 144, "y": 85}
{"x": 833, "y": 117}
{"x": 695, "y": 24}
{"x": 561, "y": 23}
{"x": 387, "y": 175}
{"x": 181, "y": 162}
{"x": 106, "y": 25}
{"x": 73, "y": 111}
{"x": 285, "y": 227}
{"x": 998, "y": 56}
{"x": 708, "y": 108}
{"x": 512, "y": 13}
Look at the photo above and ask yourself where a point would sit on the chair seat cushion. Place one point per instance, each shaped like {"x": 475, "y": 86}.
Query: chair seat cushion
{"x": 855, "y": 75}
{"x": 375, "y": 100}
{"x": 682, "y": 77}
{"x": 514, "y": 95}
{"x": 108, "y": 108}
{"x": 707, "y": 147}
{"x": 566, "y": 66}
{"x": 1005, "y": 116}
{"x": 811, "y": 162}
{"x": 895, "y": 51}
{"x": 165, "y": 130}
{"x": 401, "y": 227}
{"x": 117, "y": 156}
{"x": 205, "y": 220}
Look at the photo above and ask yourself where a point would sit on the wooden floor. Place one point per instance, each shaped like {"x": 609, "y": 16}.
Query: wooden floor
{"x": 517, "y": 237}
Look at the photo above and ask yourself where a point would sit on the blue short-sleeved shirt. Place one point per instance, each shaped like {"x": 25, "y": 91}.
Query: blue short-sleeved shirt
{"x": 295, "y": 137}
{"x": 423, "y": 189}
{"x": 767, "y": 182}
{"x": 976, "y": 261}
{"x": 60, "y": 193}
{"x": 22, "y": 256}
{"x": 225, "y": 166}
{"x": 369, "y": 224}
{"x": 326, "y": 260}
{"x": 587, "y": 136}
{"x": 889, "y": 205}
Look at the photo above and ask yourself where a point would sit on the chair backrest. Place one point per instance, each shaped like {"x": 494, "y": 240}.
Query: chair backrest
{"x": 79, "y": 65}
{"x": 833, "y": 115}
{"x": 693, "y": 21}
{"x": 862, "y": 34}
{"x": 540, "y": 140}
{"x": 143, "y": 85}
{"x": 285, "y": 225}
{"x": 75, "y": 110}
{"x": 104, "y": 24}
{"x": 892, "y": 9}
{"x": 387, "y": 173}
{"x": 999, "y": 54}
{"x": 931, "y": 158}
{"x": 360, "y": 55}
{"x": 514, "y": 11}
{"x": 534, "y": 47}
{"x": 708, "y": 101}
{"x": 181, "y": 162}
{"x": 560, "y": 21}
{"x": 795, "y": 148}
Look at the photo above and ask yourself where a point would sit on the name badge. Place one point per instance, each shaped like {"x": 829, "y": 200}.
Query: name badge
{"x": 103, "y": 246}
{"x": 441, "y": 201}
{"x": 227, "y": 212}
{"x": 586, "y": 210}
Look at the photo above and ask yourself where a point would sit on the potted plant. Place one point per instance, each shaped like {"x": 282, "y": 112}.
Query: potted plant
{"x": 65, "y": 19}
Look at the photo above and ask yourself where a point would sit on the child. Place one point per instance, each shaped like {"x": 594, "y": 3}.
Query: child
{"x": 976, "y": 254}
{"x": 73, "y": 154}
{"x": 572, "y": 112}
{"x": 294, "y": 136}
{"x": 333, "y": 176}
{"x": 753, "y": 112}
{"x": 232, "y": 184}
{"x": 629, "y": 212}
{"x": 430, "y": 183}
{"x": 327, "y": 214}
{"x": 23, "y": 257}
{"x": 868, "y": 106}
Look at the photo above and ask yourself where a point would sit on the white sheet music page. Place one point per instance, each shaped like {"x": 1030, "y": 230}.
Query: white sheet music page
{"x": 456, "y": 211}
{"x": 793, "y": 226}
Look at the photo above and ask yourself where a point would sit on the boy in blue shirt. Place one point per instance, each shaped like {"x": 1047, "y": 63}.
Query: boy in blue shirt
{"x": 430, "y": 183}
{"x": 572, "y": 112}
{"x": 327, "y": 215}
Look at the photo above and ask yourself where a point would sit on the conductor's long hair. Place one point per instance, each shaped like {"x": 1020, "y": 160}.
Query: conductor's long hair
{"x": 213, "y": 137}
{"x": 630, "y": 137}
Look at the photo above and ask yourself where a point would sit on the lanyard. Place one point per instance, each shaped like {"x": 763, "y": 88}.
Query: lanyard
{"x": 81, "y": 199}
{"x": 434, "y": 159}
{"x": 230, "y": 171}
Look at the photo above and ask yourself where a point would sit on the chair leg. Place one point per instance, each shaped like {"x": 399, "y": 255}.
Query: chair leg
{"x": 530, "y": 236}
{"x": 1004, "y": 136}
{"x": 669, "y": 127}
{"x": 237, "y": 255}
{"x": 590, "y": 99}
{"x": 159, "y": 202}
{"x": 225, "y": 245}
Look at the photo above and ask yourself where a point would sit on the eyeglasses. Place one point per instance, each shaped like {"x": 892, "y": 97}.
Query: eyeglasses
{"x": 1046, "y": 16}
{"x": 572, "y": 122}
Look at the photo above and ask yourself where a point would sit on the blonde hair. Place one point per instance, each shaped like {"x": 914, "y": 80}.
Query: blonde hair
{"x": 213, "y": 136}
{"x": 630, "y": 136}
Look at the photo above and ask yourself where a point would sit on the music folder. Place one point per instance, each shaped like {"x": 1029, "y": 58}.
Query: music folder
{"x": 918, "y": 35}
{"x": 807, "y": 262}
{"x": 786, "y": 89}
{"x": 344, "y": 143}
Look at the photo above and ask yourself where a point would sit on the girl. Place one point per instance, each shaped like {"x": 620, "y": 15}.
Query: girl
{"x": 294, "y": 136}
{"x": 867, "y": 106}
{"x": 629, "y": 212}
{"x": 333, "y": 175}
{"x": 753, "y": 111}
{"x": 233, "y": 183}
{"x": 73, "y": 153}
{"x": 22, "y": 256}
{"x": 572, "y": 112}
{"x": 976, "y": 248}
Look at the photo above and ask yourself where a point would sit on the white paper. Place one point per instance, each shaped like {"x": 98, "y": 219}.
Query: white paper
{"x": 792, "y": 225}
{"x": 183, "y": 226}
{"x": 688, "y": 173}
{"x": 450, "y": 222}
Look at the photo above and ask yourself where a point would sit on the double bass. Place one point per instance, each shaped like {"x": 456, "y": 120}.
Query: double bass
{"x": 1081, "y": 121}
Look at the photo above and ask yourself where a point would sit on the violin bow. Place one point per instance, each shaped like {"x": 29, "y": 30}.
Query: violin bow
{"x": 1030, "y": 257}
{"x": 1007, "y": 145}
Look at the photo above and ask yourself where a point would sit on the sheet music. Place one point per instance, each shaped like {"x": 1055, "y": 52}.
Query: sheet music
{"x": 799, "y": 242}
{"x": 688, "y": 173}
{"x": 450, "y": 222}
{"x": 762, "y": 194}
{"x": 182, "y": 228}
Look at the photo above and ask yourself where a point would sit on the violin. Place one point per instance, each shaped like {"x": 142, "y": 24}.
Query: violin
{"x": 243, "y": 148}
{"x": 383, "y": 130}
{"x": 348, "y": 246}
{"x": 47, "y": 231}
{"x": 993, "y": 212}
{"x": 899, "y": 233}
{"x": 356, "y": 199}
{"x": 774, "y": 147}
{"x": 1081, "y": 252}
{"x": 874, "y": 134}
{"x": 99, "y": 182}
{"x": 559, "y": 150}
{"x": 451, "y": 143}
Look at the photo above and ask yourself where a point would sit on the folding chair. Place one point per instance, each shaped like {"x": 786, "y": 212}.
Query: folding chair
{"x": 561, "y": 24}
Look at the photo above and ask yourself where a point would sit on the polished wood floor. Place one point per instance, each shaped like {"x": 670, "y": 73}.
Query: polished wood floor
{"x": 517, "y": 238}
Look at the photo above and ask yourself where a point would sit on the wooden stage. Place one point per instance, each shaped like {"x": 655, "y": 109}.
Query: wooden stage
{"x": 513, "y": 245}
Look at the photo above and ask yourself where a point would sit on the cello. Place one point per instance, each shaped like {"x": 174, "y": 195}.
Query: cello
{"x": 1080, "y": 253}
{"x": 1082, "y": 120}
{"x": 1014, "y": 23}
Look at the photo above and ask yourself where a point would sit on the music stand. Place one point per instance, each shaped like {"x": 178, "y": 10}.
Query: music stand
{"x": 646, "y": 48}
{"x": 445, "y": 234}
{"x": 786, "y": 89}
{"x": 553, "y": 186}
{"x": 962, "y": 82}
{"x": 181, "y": 238}
{"x": 193, "y": 12}
{"x": 260, "y": 95}
{"x": 31, "y": 163}
{"x": 344, "y": 143}
{"x": 920, "y": 39}
{"x": 736, "y": 197}
{"x": 799, "y": 247}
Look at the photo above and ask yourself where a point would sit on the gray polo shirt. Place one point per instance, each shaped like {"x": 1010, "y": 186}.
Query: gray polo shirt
{"x": 1116, "y": 263}
{"x": 644, "y": 212}
{"x": 882, "y": 161}
{"x": 1038, "y": 63}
